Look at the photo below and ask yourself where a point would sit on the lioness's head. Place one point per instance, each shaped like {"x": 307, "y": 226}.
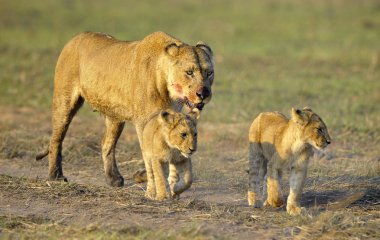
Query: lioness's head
{"x": 180, "y": 131}
{"x": 313, "y": 129}
{"x": 190, "y": 73}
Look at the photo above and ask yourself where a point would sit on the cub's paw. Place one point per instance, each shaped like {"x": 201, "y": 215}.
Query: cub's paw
{"x": 294, "y": 210}
{"x": 150, "y": 195}
{"x": 160, "y": 197}
{"x": 254, "y": 201}
{"x": 174, "y": 196}
{"x": 115, "y": 181}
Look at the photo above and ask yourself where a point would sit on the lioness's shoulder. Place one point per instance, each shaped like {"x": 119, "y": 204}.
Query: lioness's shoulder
{"x": 159, "y": 39}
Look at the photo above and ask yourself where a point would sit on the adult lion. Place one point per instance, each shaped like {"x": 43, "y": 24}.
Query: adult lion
{"x": 125, "y": 81}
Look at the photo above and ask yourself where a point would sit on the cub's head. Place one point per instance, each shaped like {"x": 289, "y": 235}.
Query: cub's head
{"x": 313, "y": 129}
{"x": 190, "y": 74}
{"x": 180, "y": 131}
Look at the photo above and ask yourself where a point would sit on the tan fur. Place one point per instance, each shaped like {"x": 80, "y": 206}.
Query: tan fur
{"x": 125, "y": 81}
{"x": 165, "y": 135}
{"x": 277, "y": 143}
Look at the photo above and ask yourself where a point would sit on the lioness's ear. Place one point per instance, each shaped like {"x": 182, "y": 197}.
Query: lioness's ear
{"x": 205, "y": 48}
{"x": 172, "y": 49}
{"x": 300, "y": 117}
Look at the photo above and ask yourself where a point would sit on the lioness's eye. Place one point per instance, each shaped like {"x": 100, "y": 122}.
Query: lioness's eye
{"x": 183, "y": 135}
{"x": 195, "y": 134}
{"x": 320, "y": 131}
{"x": 209, "y": 73}
{"x": 189, "y": 72}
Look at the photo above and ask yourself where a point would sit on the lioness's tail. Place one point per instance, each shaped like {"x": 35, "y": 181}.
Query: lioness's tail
{"x": 43, "y": 154}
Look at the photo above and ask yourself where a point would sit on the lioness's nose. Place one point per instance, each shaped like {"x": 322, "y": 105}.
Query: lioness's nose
{"x": 203, "y": 93}
{"x": 328, "y": 141}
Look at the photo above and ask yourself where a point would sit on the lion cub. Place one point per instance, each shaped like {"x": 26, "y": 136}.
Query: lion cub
{"x": 277, "y": 143}
{"x": 166, "y": 133}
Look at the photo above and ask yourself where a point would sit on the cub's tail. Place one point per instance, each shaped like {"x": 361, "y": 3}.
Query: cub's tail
{"x": 43, "y": 154}
{"x": 140, "y": 176}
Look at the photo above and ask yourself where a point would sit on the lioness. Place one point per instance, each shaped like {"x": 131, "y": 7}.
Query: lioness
{"x": 166, "y": 133}
{"x": 125, "y": 81}
{"x": 277, "y": 143}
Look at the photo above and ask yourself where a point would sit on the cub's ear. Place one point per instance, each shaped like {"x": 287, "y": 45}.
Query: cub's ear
{"x": 300, "y": 117}
{"x": 167, "y": 116}
{"x": 172, "y": 49}
{"x": 205, "y": 48}
{"x": 195, "y": 114}
{"x": 307, "y": 109}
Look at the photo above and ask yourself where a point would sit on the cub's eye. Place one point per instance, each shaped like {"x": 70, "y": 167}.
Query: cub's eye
{"x": 320, "y": 131}
{"x": 189, "y": 72}
{"x": 183, "y": 135}
{"x": 209, "y": 73}
{"x": 195, "y": 134}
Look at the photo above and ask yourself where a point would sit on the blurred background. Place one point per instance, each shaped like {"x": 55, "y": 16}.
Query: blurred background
{"x": 270, "y": 55}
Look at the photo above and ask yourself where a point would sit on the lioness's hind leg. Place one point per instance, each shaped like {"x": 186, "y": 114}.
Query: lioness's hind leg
{"x": 112, "y": 134}
{"x": 64, "y": 109}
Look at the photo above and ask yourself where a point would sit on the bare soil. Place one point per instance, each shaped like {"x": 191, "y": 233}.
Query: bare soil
{"x": 341, "y": 202}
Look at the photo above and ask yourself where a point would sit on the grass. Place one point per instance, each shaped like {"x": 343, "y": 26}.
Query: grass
{"x": 270, "y": 55}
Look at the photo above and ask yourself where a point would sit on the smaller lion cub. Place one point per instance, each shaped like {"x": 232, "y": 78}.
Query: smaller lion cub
{"x": 168, "y": 132}
{"x": 277, "y": 143}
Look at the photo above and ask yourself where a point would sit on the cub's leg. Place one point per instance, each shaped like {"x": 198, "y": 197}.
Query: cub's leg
{"x": 296, "y": 182}
{"x": 173, "y": 178}
{"x": 112, "y": 134}
{"x": 159, "y": 179}
{"x": 65, "y": 106}
{"x": 256, "y": 176}
{"x": 186, "y": 179}
{"x": 151, "y": 186}
{"x": 275, "y": 197}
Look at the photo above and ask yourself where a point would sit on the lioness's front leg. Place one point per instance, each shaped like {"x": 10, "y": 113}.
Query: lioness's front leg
{"x": 296, "y": 182}
{"x": 112, "y": 134}
{"x": 185, "y": 168}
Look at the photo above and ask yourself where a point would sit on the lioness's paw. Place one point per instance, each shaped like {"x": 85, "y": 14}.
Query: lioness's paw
{"x": 58, "y": 178}
{"x": 294, "y": 210}
{"x": 115, "y": 181}
{"x": 274, "y": 202}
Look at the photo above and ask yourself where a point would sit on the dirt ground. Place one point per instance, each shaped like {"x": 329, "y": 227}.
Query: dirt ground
{"x": 341, "y": 195}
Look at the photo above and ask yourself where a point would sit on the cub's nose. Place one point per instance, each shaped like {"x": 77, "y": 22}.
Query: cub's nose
{"x": 192, "y": 150}
{"x": 328, "y": 141}
{"x": 203, "y": 93}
